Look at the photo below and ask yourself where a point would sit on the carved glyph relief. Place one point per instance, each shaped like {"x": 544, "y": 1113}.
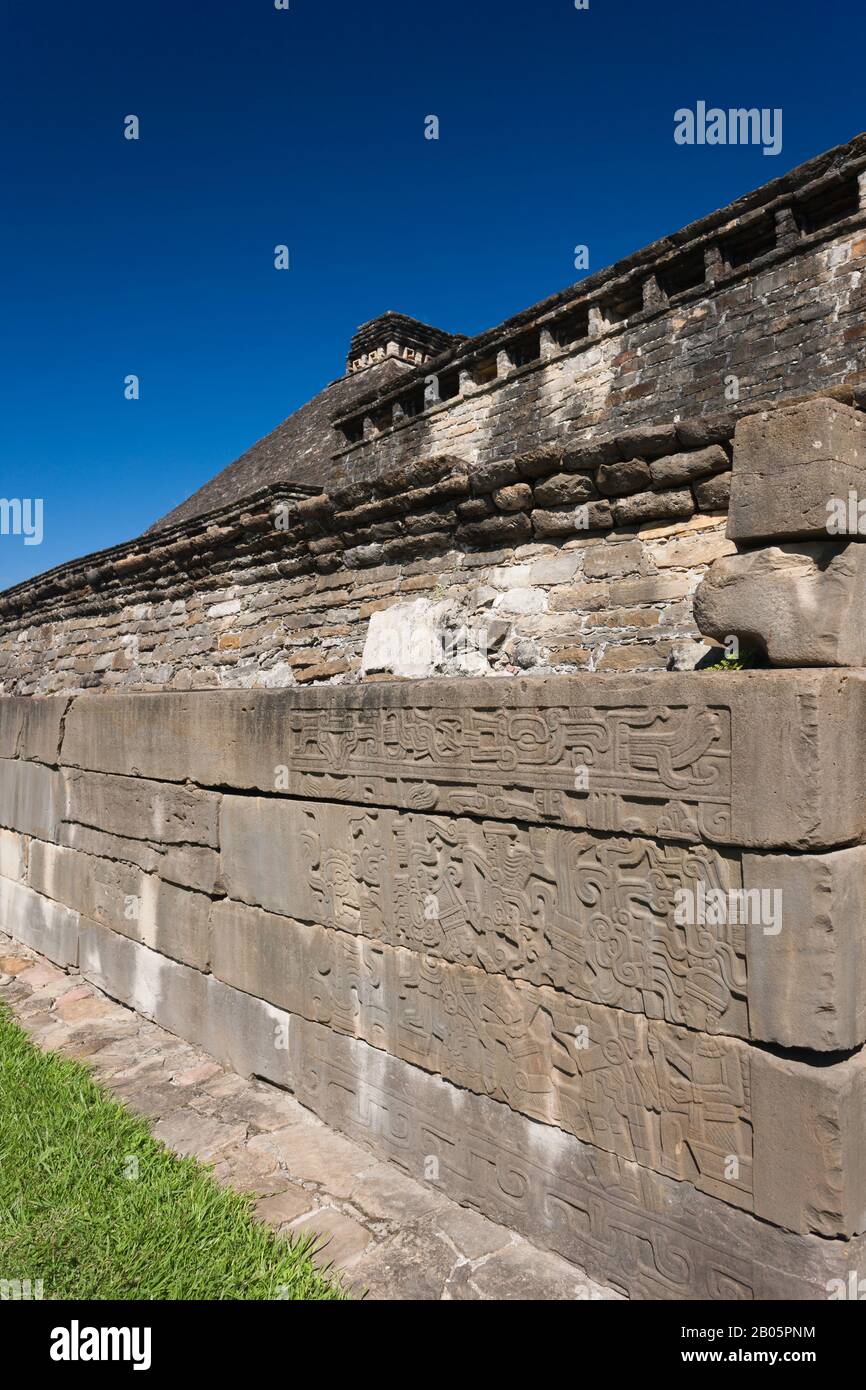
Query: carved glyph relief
{"x": 591, "y": 915}
{"x": 660, "y": 769}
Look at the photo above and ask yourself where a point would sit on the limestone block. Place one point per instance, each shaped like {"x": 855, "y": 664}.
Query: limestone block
{"x": 714, "y": 494}
{"x": 654, "y": 506}
{"x": 804, "y": 605}
{"x": 13, "y": 855}
{"x": 250, "y": 1035}
{"x": 673, "y": 755}
{"x": 31, "y": 798}
{"x": 515, "y": 498}
{"x": 809, "y": 1125}
{"x": 167, "y": 919}
{"x": 788, "y": 466}
{"x": 676, "y": 469}
{"x": 171, "y": 994}
{"x": 406, "y": 639}
{"x": 47, "y": 926}
{"x": 565, "y": 521}
{"x": 619, "y": 479}
{"x": 31, "y": 727}
{"x": 190, "y": 866}
{"x": 140, "y": 809}
{"x": 564, "y": 489}
{"x": 807, "y": 980}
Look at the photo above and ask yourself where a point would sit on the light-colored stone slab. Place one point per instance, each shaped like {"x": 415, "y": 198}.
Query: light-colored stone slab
{"x": 31, "y": 798}
{"x": 140, "y": 809}
{"x": 189, "y": 866}
{"x": 47, "y": 926}
{"x": 168, "y": 919}
{"x": 13, "y": 855}
{"x": 31, "y": 728}
{"x": 807, "y": 981}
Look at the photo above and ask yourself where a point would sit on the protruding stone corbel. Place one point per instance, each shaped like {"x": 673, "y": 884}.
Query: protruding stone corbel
{"x": 799, "y": 488}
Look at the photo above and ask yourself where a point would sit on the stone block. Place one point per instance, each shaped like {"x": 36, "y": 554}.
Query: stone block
{"x": 803, "y": 605}
{"x": 31, "y": 728}
{"x": 516, "y": 498}
{"x": 807, "y": 980}
{"x": 48, "y": 927}
{"x": 563, "y": 490}
{"x": 673, "y": 755}
{"x": 159, "y": 915}
{"x": 190, "y": 866}
{"x": 676, "y": 469}
{"x": 587, "y": 516}
{"x": 789, "y": 465}
{"x": 171, "y": 994}
{"x": 13, "y": 855}
{"x": 406, "y": 639}
{"x": 31, "y": 798}
{"x": 248, "y": 1034}
{"x": 140, "y": 809}
{"x": 809, "y": 1121}
{"x": 714, "y": 494}
{"x": 619, "y": 479}
{"x": 654, "y": 506}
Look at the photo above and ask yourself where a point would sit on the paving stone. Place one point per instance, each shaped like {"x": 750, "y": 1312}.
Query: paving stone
{"x": 199, "y": 1135}
{"x": 381, "y": 1192}
{"x": 408, "y": 1266}
{"x": 284, "y": 1207}
{"x": 306, "y": 1153}
{"x": 340, "y": 1240}
{"x": 15, "y": 965}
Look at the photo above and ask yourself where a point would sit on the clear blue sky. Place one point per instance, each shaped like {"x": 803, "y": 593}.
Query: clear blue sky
{"x": 306, "y": 127}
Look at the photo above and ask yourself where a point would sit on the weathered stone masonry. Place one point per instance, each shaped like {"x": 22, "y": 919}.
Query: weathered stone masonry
{"x": 395, "y": 902}
{"x": 582, "y": 945}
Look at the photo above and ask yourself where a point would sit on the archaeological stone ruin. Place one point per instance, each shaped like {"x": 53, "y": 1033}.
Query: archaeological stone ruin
{"x": 480, "y": 757}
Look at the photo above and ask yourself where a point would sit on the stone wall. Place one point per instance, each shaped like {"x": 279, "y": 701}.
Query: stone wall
{"x": 557, "y": 560}
{"x": 581, "y": 559}
{"x": 449, "y": 917}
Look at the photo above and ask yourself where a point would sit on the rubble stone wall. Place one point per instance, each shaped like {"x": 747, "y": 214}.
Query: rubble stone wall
{"x": 559, "y": 560}
{"x": 477, "y": 925}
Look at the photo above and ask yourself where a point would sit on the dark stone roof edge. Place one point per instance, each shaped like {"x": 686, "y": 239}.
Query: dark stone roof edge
{"x": 841, "y": 160}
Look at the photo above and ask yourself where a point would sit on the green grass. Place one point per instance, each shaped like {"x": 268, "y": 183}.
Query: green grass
{"x": 746, "y": 661}
{"x": 71, "y": 1216}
